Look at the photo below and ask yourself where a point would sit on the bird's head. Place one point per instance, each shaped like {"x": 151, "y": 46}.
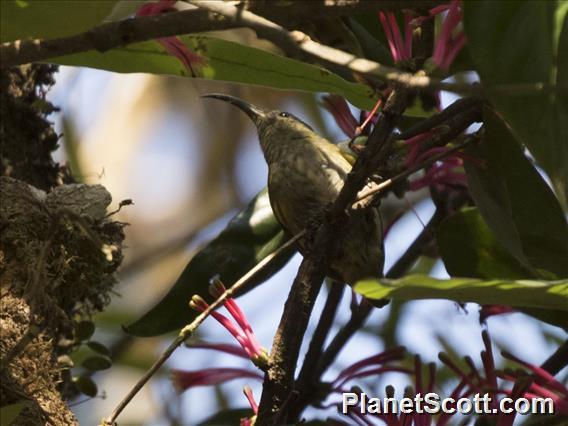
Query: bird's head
{"x": 274, "y": 127}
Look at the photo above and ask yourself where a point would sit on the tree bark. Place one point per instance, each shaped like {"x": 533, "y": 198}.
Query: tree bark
{"x": 58, "y": 253}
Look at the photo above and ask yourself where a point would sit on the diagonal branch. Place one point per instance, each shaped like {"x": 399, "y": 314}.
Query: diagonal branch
{"x": 116, "y": 34}
{"x": 299, "y": 45}
{"x": 189, "y": 329}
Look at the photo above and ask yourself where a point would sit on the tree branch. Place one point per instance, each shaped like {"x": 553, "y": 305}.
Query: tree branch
{"x": 115, "y": 34}
{"x": 558, "y": 360}
{"x": 458, "y": 107}
{"x": 295, "y": 44}
{"x": 111, "y": 35}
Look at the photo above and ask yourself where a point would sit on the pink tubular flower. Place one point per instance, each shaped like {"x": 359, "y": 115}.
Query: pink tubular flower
{"x": 449, "y": 44}
{"x": 447, "y": 171}
{"x": 227, "y": 348}
{"x": 539, "y": 384}
{"x": 442, "y": 173}
{"x": 184, "y": 380}
{"x": 543, "y": 384}
{"x": 240, "y": 329}
{"x": 370, "y": 366}
{"x": 414, "y": 144}
{"x": 401, "y": 50}
{"x": 369, "y": 117}
{"x": 387, "y": 415}
{"x": 173, "y": 45}
{"x": 250, "y": 397}
{"x": 340, "y": 111}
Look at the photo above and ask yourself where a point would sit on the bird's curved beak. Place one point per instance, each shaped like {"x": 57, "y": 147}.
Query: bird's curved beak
{"x": 255, "y": 113}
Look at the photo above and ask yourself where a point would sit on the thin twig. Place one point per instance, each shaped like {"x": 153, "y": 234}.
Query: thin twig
{"x": 188, "y": 330}
{"x": 558, "y": 360}
{"x": 358, "y": 318}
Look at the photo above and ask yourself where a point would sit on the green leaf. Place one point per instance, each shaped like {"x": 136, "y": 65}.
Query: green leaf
{"x": 98, "y": 348}
{"x": 469, "y": 249}
{"x": 519, "y": 293}
{"x": 226, "y": 61}
{"x": 516, "y": 203}
{"x": 8, "y": 413}
{"x": 97, "y": 362}
{"x": 84, "y": 329}
{"x": 86, "y": 386}
{"x": 21, "y": 19}
{"x": 520, "y": 42}
{"x": 370, "y": 23}
{"x": 248, "y": 238}
{"x": 372, "y": 48}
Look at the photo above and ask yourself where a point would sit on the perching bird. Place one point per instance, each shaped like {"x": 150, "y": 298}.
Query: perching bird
{"x": 305, "y": 175}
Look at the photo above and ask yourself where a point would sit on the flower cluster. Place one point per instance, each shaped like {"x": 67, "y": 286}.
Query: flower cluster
{"x": 534, "y": 383}
{"x": 448, "y": 171}
{"x": 248, "y": 348}
{"x": 449, "y": 43}
{"x": 240, "y": 328}
{"x": 513, "y": 384}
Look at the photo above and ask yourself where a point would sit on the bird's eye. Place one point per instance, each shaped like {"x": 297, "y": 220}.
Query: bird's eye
{"x": 284, "y": 114}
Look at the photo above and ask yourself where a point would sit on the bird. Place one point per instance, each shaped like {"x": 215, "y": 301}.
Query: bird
{"x": 306, "y": 172}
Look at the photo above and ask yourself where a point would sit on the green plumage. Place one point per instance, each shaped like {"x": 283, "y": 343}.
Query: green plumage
{"x": 305, "y": 174}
